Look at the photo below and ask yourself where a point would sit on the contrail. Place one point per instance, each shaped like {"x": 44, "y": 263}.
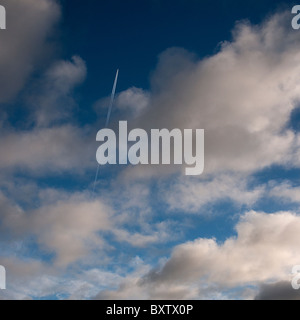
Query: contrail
{"x": 113, "y": 93}
{"x": 112, "y": 98}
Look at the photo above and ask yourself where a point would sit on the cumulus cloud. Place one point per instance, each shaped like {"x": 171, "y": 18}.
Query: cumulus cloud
{"x": 71, "y": 226}
{"x": 45, "y": 150}
{"x": 242, "y": 96}
{"x": 68, "y": 228}
{"x": 134, "y": 99}
{"x": 28, "y": 279}
{"x": 157, "y": 234}
{"x": 278, "y": 291}
{"x": 54, "y": 101}
{"x": 132, "y": 102}
{"x": 21, "y": 275}
{"x": 285, "y": 191}
{"x": 25, "y": 41}
{"x": 265, "y": 248}
{"x": 192, "y": 195}
{"x": 87, "y": 285}
{"x": 130, "y": 289}
{"x": 53, "y": 143}
{"x": 48, "y": 146}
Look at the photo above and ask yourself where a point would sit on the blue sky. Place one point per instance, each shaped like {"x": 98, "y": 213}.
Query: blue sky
{"x": 228, "y": 67}
{"x": 130, "y": 35}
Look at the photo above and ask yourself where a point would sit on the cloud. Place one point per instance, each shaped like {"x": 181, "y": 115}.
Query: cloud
{"x": 130, "y": 289}
{"x": 25, "y": 42}
{"x": 133, "y": 102}
{"x": 157, "y": 234}
{"x": 265, "y": 248}
{"x": 20, "y": 277}
{"x": 284, "y": 191}
{"x": 134, "y": 99}
{"x": 28, "y": 279}
{"x": 192, "y": 195}
{"x": 53, "y": 143}
{"x": 135, "y": 221}
{"x": 54, "y": 100}
{"x": 278, "y": 291}
{"x": 242, "y": 96}
{"x": 47, "y": 150}
{"x": 69, "y": 228}
{"x": 88, "y": 283}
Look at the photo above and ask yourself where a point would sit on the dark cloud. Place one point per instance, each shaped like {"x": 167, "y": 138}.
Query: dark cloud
{"x": 278, "y": 291}
{"x": 25, "y": 41}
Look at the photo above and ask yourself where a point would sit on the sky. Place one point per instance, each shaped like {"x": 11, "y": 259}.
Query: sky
{"x": 149, "y": 232}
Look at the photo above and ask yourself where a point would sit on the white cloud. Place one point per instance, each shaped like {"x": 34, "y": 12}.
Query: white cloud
{"x": 157, "y": 234}
{"x": 54, "y": 144}
{"x": 265, "y": 249}
{"x": 88, "y": 283}
{"x": 130, "y": 289}
{"x": 21, "y": 276}
{"x": 284, "y": 191}
{"x": 25, "y": 41}
{"x": 242, "y": 96}
{"x": 54, "y": 101}
{"x": 28, "y": 279}
{"x": 134, "y": 99}
{"x": 191, "y": 195}
{"x": 68, "y": 228}
{"x": 45, "y": 150}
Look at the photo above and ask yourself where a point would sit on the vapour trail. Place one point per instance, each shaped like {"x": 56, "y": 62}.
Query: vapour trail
{"x": 112, "y": 98}
{"x": 113, "y": 93}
